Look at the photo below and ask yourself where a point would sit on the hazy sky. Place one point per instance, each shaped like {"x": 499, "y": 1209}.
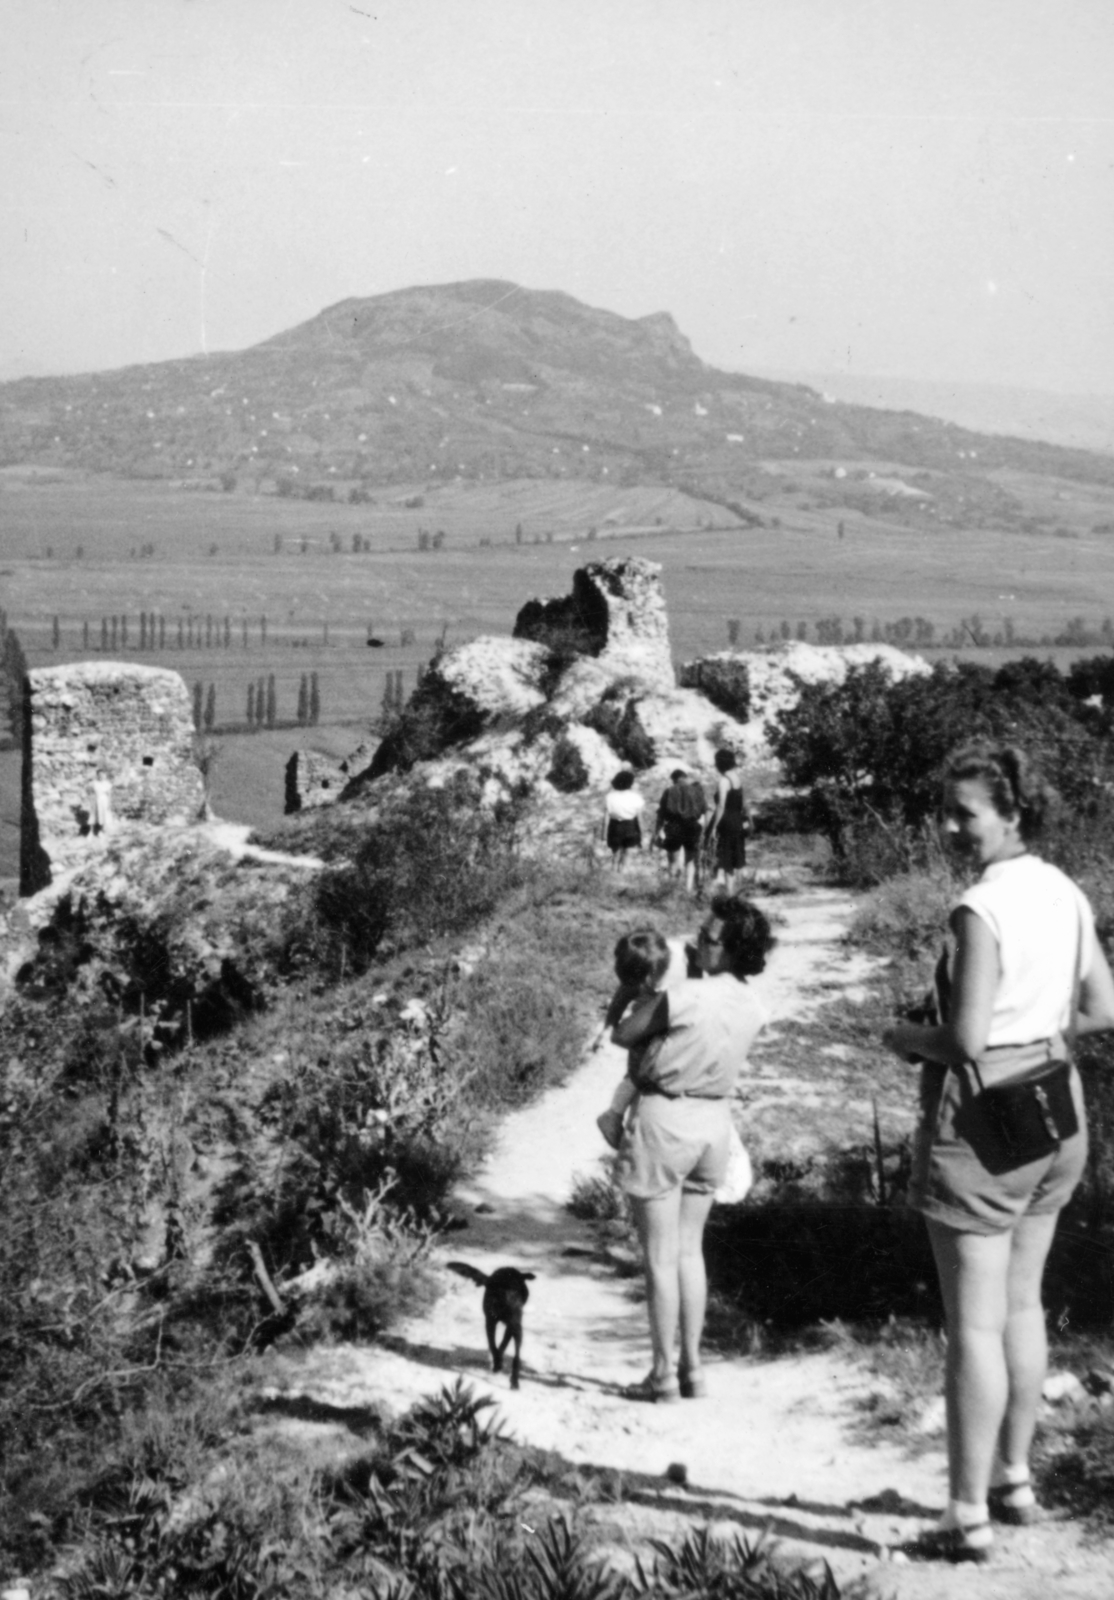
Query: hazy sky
{"x": 921, "y": 188}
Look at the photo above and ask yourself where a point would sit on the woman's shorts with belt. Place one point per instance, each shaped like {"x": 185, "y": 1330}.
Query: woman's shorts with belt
{"x": 674, "y": 1141}
{"x": 950, "y": 1184}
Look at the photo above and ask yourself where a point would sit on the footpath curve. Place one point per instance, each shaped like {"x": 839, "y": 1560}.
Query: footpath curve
{"x": 773, "y": 1447}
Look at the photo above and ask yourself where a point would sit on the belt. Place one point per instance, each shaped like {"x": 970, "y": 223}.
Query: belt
{"x": 683, "y": 1094}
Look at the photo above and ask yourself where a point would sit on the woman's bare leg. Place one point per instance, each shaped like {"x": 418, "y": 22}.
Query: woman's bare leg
{"x": 974, "y": 1271}
{"x": 1025, "y": 1337}
{"x": 658, "y": 1223}
{"x": 692, "y": 1275}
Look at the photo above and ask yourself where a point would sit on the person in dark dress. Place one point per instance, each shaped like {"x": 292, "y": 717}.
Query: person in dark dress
{"x": 730, "y": 822}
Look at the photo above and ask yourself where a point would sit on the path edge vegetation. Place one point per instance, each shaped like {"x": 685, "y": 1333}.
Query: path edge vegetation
{"x": 336, "y": 1103}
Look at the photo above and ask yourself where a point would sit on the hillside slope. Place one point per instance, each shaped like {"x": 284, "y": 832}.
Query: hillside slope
{"x": 478, "y": 379}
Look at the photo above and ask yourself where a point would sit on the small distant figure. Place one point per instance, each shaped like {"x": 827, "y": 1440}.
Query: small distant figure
{"x": 103, "y": 821}
{"x": 622, "y": 809}
{"x": 681, "y": 812}
{"x": 841, "y": 530}
{"x": 730, "y": 822}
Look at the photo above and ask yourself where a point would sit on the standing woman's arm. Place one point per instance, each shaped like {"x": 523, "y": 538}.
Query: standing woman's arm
{"x": 974, "y": 981}
{"x": 1096, "y": 996}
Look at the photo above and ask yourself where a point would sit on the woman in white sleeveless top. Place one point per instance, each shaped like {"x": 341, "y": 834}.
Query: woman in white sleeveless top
{"x": 1024, "y": 949}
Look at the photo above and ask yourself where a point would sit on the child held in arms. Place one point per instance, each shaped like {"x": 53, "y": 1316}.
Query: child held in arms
{"x": 645, "y": 963}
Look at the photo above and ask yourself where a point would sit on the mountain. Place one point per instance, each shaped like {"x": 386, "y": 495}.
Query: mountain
{"x": 478, "y": 379}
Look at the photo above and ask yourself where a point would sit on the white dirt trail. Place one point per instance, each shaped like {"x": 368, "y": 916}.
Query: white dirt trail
{"x": 774, "y": 1445}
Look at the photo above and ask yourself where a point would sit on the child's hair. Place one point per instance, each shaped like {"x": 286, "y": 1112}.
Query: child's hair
{"x": 641, "y": 958}
{"x": 725, "y": 760}
{"x": 1015, "y": 786}
{"x": 623, "y": 779}
{"x": 746, "y": 935}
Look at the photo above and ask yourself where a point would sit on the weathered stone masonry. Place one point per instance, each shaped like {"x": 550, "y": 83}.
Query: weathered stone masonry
{"x": 135, "y": 723}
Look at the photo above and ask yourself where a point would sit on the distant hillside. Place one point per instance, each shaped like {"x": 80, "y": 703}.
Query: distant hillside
{"x": 482, "y": 380}
{"x": 1077, "y": 421}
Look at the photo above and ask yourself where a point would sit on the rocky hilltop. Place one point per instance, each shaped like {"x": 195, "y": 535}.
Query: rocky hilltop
{"x": 480, "y": 379}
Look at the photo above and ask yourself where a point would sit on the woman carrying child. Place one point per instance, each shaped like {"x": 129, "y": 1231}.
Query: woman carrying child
{"x": 688, "y": 1044}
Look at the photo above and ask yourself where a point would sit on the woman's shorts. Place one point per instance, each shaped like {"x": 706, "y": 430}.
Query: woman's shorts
{"x": 674, "y": 1143}
{"x": 731, "y": 850}
{"x": 950, "y": 1184}
{"x": 623, "y": 835}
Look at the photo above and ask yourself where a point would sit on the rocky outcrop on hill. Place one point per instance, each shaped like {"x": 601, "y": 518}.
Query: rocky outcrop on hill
{"x": 615, "y": 613}
{"x": 587, "y": 685}
{"x": 774, "y": 677}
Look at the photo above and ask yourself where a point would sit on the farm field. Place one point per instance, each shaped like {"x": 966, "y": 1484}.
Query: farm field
{"x": 215, "y": 556}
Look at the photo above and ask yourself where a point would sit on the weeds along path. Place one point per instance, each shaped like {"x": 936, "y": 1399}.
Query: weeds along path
{"x": 773, "y": 1447}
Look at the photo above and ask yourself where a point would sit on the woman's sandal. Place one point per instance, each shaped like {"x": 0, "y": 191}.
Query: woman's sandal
{"x": 693, "y": 1384}
{"x": 1019, "y": 1516}
{"x": 953, "y": 1544}
{"x": 658, "y": 1391}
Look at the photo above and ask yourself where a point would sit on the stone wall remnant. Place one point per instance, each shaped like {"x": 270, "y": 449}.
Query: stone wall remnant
{"x": 101, "y": 723}
{"x": 616, "y": 612}
{"x": 314, "y": 779}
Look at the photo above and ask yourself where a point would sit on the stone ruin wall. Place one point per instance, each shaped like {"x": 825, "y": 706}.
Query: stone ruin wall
{"x": 313, "y": 779}
{"x": 616, "y": 612}
{"x": 136, "y": 723}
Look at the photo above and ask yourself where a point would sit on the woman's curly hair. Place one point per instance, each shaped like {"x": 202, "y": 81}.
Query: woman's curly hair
{"x": 1015, "y": 785}
{"x": 746, "y": 935}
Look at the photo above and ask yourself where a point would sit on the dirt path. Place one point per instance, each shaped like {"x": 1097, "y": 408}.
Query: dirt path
{"x": 771, "y": 1447}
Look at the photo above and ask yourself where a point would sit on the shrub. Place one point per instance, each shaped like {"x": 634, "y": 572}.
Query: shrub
{"x": 725, "y": 683}
{"x": 567, "y": 771}
{"x": 873, "y": 748}
{"x": 433, "y": 863}
{"x": 435, "y": 718}
{"x": 615, "y": 716}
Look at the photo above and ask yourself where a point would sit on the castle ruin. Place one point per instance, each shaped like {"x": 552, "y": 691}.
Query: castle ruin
{"x": 105, "y": 744}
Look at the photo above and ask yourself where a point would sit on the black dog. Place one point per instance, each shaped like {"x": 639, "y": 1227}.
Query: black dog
{"x": 505, "y": 1294}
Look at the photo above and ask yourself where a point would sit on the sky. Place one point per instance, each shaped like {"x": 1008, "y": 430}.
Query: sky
{"x": 915, "y": 188}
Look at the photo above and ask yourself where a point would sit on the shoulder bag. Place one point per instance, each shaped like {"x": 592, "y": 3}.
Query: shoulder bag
{"x": 1012, "y": 1124}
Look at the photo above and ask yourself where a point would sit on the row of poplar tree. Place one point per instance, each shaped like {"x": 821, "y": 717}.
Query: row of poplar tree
{"x": 262, "y": 706}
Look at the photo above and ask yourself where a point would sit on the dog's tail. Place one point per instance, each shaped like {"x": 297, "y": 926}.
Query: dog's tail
{"x": 471, "y": 1273}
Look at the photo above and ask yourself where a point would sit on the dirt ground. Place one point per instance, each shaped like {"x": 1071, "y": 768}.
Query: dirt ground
{"x": 773, "y": 1448}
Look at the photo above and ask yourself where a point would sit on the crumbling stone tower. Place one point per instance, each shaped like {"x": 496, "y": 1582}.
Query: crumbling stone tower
{"x": 125, "y": 726}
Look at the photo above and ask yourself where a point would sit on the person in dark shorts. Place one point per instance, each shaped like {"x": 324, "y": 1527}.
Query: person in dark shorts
{"x": 1024, "y": 970}
{"x": 680, "y": 825}
{"x": 622, "y": 809}
{"x": 730, "y": 822}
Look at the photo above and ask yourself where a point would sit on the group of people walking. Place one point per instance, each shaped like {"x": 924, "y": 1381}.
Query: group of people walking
{"x": 685, "y": 823}
{"x": 1002, "y": 1138}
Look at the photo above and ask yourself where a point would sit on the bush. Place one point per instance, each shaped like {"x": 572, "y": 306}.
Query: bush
{"x": 870, "y": 749}
{"x": 431, "y": 864}
{"x": 615, "y": 716}
{"x": 725, "y": 683}
{"x": 567, "y": 771}
{"x": 435, "y": 718}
